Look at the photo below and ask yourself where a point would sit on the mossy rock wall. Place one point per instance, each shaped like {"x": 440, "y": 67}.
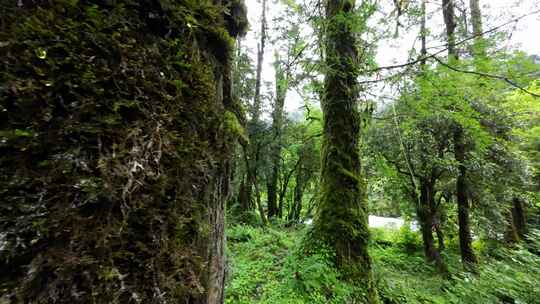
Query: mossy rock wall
{"x": 115, "y": 149}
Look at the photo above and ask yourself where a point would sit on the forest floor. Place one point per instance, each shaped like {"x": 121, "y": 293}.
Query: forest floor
{"x": 267, "y": 266}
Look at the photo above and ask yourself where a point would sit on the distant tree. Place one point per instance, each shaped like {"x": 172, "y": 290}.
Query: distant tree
{"x": 253, "y": 149}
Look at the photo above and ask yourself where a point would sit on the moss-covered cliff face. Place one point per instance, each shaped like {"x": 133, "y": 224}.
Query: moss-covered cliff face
{"x": 116, "y": 127}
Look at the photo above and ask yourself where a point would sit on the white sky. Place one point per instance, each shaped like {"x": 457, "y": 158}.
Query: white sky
{"x": 525, "y": 36}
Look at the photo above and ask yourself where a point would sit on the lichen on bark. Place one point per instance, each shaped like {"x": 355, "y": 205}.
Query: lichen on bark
{"x": 115, "y": 139}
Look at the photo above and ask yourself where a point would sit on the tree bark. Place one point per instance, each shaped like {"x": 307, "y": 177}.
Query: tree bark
{"x": 426, "y": 216}
{"x": 118, "y": 194}
{"x": 479, "y": 47}
{"x": 450, "y": 23}
{"x": 285, "y": 186}
{"x": 518, "y": 217}
{"x": 511, "y": 236}
{"x": 426, "y": 209}
{"x": 244, "y": 196}
{"x": 298, "y": 193}
{"x": 271, "y": 188}
{"x": 341, "y": 219}
{"x": 440, "y": 219}
{"x": 440, "y": 237}
{"x": 423, "y": 34}
{"x": 465, "y": 239}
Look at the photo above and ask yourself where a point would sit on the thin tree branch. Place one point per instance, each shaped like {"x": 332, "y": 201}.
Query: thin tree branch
{"x": 499, "y": 77}
{"x": 423, "y": 58}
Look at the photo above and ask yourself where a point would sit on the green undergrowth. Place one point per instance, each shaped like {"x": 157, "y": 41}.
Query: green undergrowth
{"x": 267, "y": 266}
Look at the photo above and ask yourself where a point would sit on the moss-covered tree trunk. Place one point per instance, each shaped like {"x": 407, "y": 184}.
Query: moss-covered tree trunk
{"x": 116, "y": 132}
{"x": 341, "y": 219}
{"x": 285, "y": 185}
{"x": 516, "y": 227}
{"x": 518, "y": 217}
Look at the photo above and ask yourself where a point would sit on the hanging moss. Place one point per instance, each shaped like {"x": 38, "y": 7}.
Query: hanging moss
{"x": 113, "y": 155}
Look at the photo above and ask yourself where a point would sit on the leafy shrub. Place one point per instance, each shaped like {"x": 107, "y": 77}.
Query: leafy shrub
{"x": 407, "y": 239}
{"x": 314, "y": 278}
{"x": 512, "y": 277}
{"x": 241, "y": 233}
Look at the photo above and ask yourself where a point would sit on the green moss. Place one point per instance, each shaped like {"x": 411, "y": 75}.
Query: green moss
{"x": 233, "y": 126}
{"x": 341, "y": 219}
{"x": 111, "y": 139}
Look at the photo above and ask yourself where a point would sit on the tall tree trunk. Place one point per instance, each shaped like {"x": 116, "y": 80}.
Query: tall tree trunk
{"x": 516, "y": 222}
{"x": 518, "y": 217}
{"x": 440, "y": 219}
{"x": 258, "y": 202}
{"x": 426, "y": 209}
{"x": 277, "y": 130}
{"x": 460, "y": 152}
{"x": 510, "y": 235}
{"x": 298, "y": 193}
{"x": 271, "y": 188}
{"x": 423, "y": 34}
{"x": 253, "y": 181}
{"x": 341, "y": 219}
{"x": 256, "y": 110}
{"x": 465, "y": 239}
{"x": 112, "y": 198}
{"x": 479, "y": 47}
{"x": 254, "y": 126}
{"x": 426, "y": 216}
{"x": 450, "y": 23}
{"x": 440, "y": 238}
{"x": 244, "y": 197}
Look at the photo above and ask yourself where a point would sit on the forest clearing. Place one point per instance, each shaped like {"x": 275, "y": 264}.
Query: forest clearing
{"x": 269, "y": 151}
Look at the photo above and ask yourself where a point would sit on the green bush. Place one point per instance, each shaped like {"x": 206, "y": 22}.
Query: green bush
{"x": 407, "y": 239}
{"x": 315, "y": 279}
